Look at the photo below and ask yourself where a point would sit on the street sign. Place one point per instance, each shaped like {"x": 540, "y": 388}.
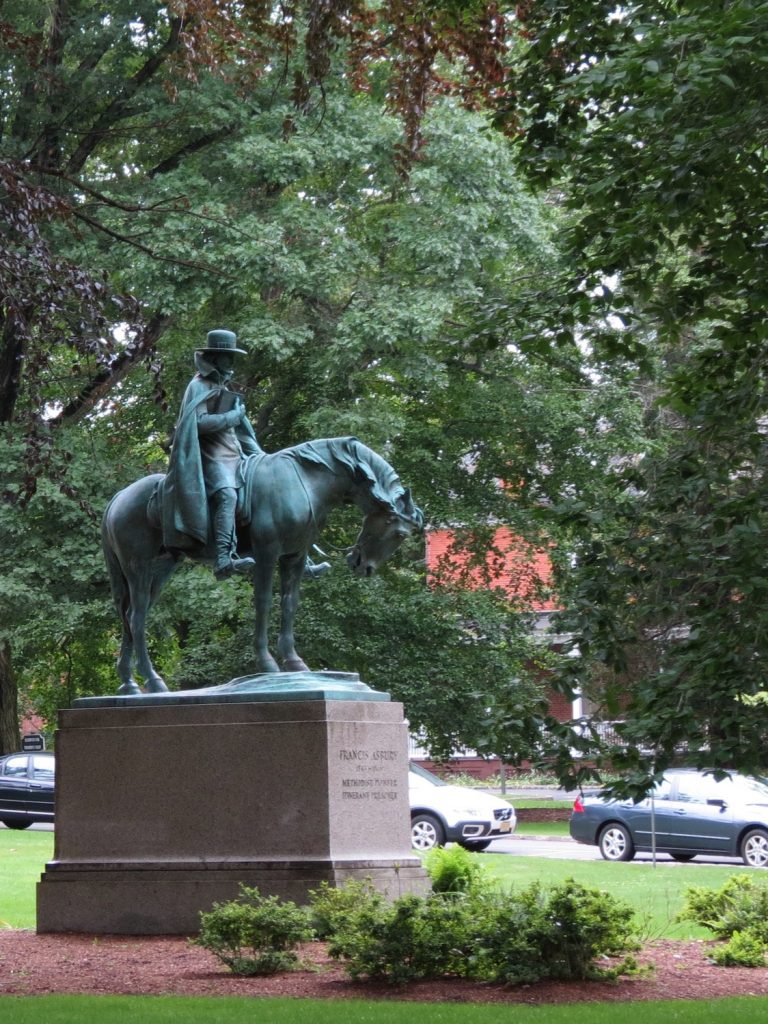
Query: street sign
{"x": 35, "y": 741}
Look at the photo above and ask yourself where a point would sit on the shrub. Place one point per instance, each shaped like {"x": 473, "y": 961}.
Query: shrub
{"x": 520, "y": 937}
{"x": 741, "y": 905}
{"x": 560, "y": 934}
{"x": 331, "y": 909}
{"x": 745, "y": 949}
{"x": 412, "y": 939}
{"x": 255, "y": 934}
{"x": 453, "y": 869}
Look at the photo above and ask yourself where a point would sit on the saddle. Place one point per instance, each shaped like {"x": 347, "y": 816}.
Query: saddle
{"x": 244, "y": 495}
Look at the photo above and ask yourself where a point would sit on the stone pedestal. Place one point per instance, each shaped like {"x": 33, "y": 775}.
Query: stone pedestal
{"x": 163, "y": 808}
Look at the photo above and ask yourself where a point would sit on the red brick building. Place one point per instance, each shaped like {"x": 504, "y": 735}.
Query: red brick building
{"x": 524, "y": 573}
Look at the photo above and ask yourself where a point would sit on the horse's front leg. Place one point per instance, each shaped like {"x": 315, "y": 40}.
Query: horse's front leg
{"x": 262, "y": 602}
{"x": 128, "y": 684}
{"x": 291, "y": 571}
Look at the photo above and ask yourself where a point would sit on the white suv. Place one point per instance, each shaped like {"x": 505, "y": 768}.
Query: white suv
{"x": 443, "y": 814}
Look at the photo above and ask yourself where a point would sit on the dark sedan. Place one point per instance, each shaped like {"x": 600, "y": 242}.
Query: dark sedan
{"x": 688, "y": 813}
{"x": 26, "y": 788}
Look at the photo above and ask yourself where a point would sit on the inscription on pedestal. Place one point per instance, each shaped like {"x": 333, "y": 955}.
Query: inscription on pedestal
{"x": 370, "y": 775}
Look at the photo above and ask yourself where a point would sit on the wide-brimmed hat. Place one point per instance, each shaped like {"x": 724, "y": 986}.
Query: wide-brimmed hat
{"x": 222, "y": 341}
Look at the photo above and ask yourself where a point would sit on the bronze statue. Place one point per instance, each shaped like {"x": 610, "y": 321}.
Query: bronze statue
{"x": 212, "y": 440}
{"x": 151, "y": 525}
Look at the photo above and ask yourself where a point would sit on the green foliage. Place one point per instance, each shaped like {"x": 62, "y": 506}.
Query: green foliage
{"x": 744, "y": 949}
{"x": 560, "y": 934}
{"x": 255, "y": 934}
{"x": 741, "y": 905}
{"x": 412, "y": 939}
{"x": 650, "y": 121}
{"x": 452, "y": 869}
{"x": 332, "y": 907}
{"x": 361, "y": 297}
{"x": 520, "y": 937}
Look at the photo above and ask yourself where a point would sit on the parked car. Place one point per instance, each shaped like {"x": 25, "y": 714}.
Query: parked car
{"x": 442, "y": 814}
{"x": 688, "y": 813}
{"x": 26, "y": 788}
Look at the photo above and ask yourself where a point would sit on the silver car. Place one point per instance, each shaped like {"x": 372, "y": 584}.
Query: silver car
{"x": 441, "y": 813}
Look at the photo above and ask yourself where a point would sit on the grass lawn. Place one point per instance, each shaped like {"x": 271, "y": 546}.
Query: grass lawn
{"x": 180, "y": 1010}
{"x": 656, "y": 893}
{"x": 22, "y": 859}
{"x": 525, "y": 802}
{"x": 175, "y": 1010}
{"x": 541, "y": 828}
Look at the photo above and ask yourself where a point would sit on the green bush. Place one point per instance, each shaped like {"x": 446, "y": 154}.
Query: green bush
{"x": 519, "y": 937}
{"x": 561, "y": 934}
{"x": 412, "y": 939}
{"x": 741, "y": 905}
{"x": 454, "y": 869}
{"x": 331, "y": 908}
{"x": 255, "y": 934}
{"x": 745, "y": 949}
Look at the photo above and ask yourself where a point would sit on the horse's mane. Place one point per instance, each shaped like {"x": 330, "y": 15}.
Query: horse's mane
{"x": 358, "y": 459}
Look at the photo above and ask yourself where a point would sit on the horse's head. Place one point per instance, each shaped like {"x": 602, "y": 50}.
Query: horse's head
{"x": 385, "y": 527}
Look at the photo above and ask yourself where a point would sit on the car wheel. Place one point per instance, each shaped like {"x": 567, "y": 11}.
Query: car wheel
{"x": 754, "y": 848}
{"x": 683, "y": 858}
{"x": 17, "y": 824}
{"x": 476, "y": 846}
{"x": 616, "y": 843}
{"x": 426, "y": 833}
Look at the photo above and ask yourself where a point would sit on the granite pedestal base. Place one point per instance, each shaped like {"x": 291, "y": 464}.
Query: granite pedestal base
{"x": 163, "y": 810}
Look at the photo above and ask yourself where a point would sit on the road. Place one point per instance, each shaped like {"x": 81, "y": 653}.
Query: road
{"x": 548, "y": 849}
{"x": 567, "y": 849}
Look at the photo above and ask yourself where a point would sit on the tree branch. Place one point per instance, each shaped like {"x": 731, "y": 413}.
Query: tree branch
{"x": 127, "y": 240}
{"x": 109, "y": 376}
{"x": 118, "y": 108}
{"x": 172, "y": 162}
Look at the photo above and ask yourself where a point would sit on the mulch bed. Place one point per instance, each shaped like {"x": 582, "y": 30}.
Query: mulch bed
{"x": 32, "y": 964}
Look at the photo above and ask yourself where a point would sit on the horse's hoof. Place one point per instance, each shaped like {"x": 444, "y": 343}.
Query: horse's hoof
{"x": 129, "y": 689}
{"x": 295, "y": 665}
{"x": 156, "y": 685}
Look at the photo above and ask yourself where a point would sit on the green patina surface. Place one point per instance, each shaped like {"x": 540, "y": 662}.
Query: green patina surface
{"x": 266, "y": 686}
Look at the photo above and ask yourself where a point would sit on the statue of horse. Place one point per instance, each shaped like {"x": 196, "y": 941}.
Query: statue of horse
{"x": 283, "y": 506}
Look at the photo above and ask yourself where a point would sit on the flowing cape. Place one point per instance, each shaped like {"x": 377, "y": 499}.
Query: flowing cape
{"x": 185, "y": 515}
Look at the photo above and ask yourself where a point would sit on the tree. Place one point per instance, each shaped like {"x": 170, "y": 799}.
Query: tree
{"x": 178, "y": 191}
{"x": 651, "y": 120}
{"x": 348, "y": 275}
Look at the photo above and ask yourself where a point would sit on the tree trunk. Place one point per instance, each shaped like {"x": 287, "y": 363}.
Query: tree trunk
{"x": 9, "y": 707}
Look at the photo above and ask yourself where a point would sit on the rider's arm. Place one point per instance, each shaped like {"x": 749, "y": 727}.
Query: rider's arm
{"x": 213, "y": 423}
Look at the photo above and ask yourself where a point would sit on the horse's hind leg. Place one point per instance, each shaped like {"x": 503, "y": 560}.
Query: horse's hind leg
{"x": 122, "y": 599}
{"x": 291, "y": 571}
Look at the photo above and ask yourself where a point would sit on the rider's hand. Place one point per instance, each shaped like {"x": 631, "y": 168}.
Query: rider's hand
{"x": 237, "y": 415}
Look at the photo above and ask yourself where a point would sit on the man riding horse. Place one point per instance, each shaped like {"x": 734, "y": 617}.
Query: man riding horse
{"x": 211, "y": 445}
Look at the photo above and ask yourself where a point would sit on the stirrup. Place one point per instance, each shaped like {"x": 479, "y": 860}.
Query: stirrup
{"x": 235, "y": 566}
{"x": 312, "y": 571}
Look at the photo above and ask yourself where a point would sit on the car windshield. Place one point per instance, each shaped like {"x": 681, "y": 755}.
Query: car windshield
{"x": 426, "y": 776}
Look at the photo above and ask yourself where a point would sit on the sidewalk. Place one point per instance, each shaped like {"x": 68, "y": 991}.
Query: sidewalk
{"x": 533, "y": 792}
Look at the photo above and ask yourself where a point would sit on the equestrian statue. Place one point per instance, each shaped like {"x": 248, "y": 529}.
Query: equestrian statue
{"x": 225, "y": 501}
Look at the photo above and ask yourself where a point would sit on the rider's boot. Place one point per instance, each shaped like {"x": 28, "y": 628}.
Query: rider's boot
{"x": 224, "y": 505}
